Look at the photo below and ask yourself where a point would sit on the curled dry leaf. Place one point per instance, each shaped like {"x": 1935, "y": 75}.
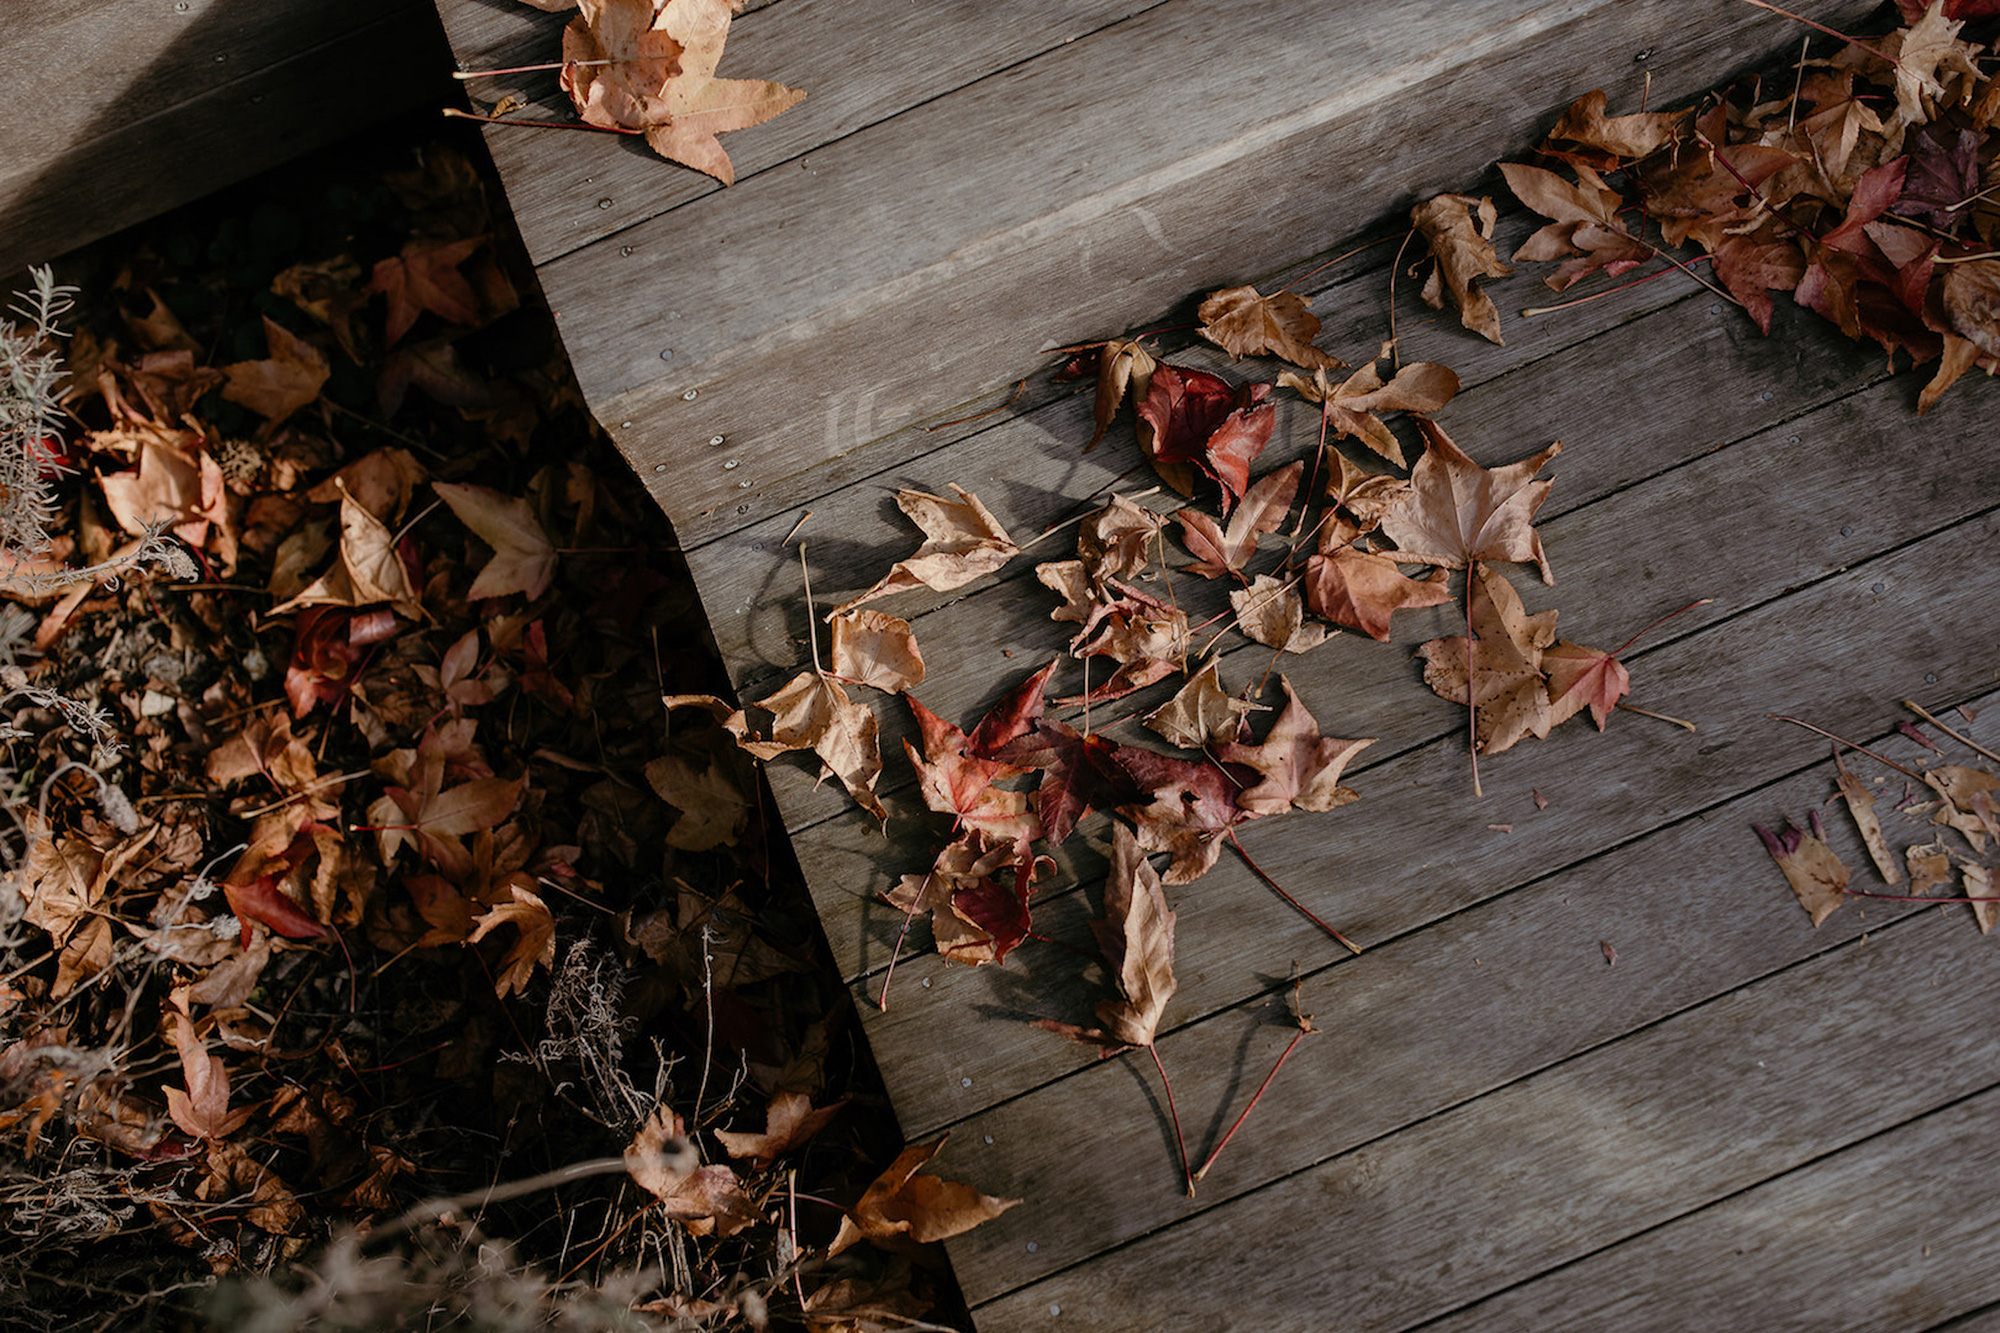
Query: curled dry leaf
{"x": 958, "y": 781}
{"x": 661, "y": 1160}
{"x": 789, "y": 1121}
{"x": 1459, "y": 230}
{"x": 1612, "y": 137}
{"x": 282, "y": 384}
{"x": 1978, "y": 883}
{"x": 977, "y": 896}
{"x": 1117, "y": 540}
{"x": 1500, "y": 665}
{"x": 1201, "y": 714}
{"x": 1460, "y": 512}
{"x": 1136, "y": 934}
{"x": 1243, "y": 323}
{"x": 878, "y": 649}
{"x": 1362, "y": 589}
{"x": 426, "y": 277}
{"x": 1350, "y": 406}
{"x": 962, "y": 542}
{"x": 1188, "y": 808}
{"x": 1967, "y": 804}
{"x": 811, "y": 712}
{"x": 1584, "y": 229}
{"x": 901, "y": 1205}
{"x": 535, "y": 944}
{"x": 1122, "y": 367}
{"x": 1930, "y": 866}
{"x": 524, "y": 559}
{"x": 1582, "y": 677}
{"x": 1192, "y": 420}
{"x": 1816, "y": 875}
{"x": 1861, "y": 805}
{"x": 368, "y": 570}
{"x": 1269, "y": 611}
{"x": 201, "y": 1109}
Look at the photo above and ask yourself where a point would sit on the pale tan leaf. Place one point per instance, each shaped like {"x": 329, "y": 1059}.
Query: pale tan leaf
{"x": 524, "y": 559}
{"x": 1271, "y": 613}
{"x": 811, "y": 712}
{"x": 875, "y": 648}
{"x": 1299, "y": 766}
{"x": 1459, "y": 230}
{"x": 901, "y": 1204}
{"x": 789, "y": 1121}
{"x": 1861, "y": 805}
{"x": 1243, "y": 323}
{"x": 534, "y": 945}
{"x": 287, "y": 381}
{"x": 1461, "y": 512}
{"x": 1201, "y": 714}
{"x": 962, "y": 542}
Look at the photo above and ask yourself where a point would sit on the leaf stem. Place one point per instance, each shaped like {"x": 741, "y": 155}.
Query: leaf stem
{"x": 465, "y": 75}
{"x": 1966, "y": 741}
{"x": 1279, "y": 889}
{"x": 1255, "y": 1097}
{"x": 1534, "y": 310}
{"x": 1173, "y": 1113}
{"x": 1657, "y": 623}
{"x": 1680, "y": 722}
{"x": 453, "y": 113}
{"x": 1856, "y": 43}
{"x": 1471, "y": 691}
{"x": 1878, "y": 758}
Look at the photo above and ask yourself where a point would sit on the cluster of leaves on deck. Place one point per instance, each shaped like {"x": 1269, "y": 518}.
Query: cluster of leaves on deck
{"x": 1858, "y": 188}
{"x": 647, "y": 67}
{"x": 359, "y": 901}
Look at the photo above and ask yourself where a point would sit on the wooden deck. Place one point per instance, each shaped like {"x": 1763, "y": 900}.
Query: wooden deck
{"x": 114, "y": 112}
{"x": 1742, "y": 1122}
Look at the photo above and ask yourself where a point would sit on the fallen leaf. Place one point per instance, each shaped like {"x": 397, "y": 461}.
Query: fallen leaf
{"x": 1613, "y": 137}
{"x": 1191, "y": 419}
{"x": 1979, "y": 888}
{"x": 201, "y": 1109}
{"x": 811, "y": 712}
{"x": 1460, "y": 512}
{"x": 1930, "y": 866}
{"x": 370, "y": 569}
{"x": 524, "y": 559}
{"x": 1201, "y": 714}
{"x": 1121, "y": 367}
{"x": 1584, "y": 228}
{"x": 1270, "y": 612}
{"x": 1298, "y": 766}
{"x": 1117, "y": 540}
{"x": 874, "y": 648}
{"x": 1243, "y": 323}
{"x": 789, "y": 1120}
{"x": 1861, "y": 805}
{"x": 1136, "y": 934}
{"x": 708, "y": 1200}
{"x": 1361, "y": 496}
{"x": 1610, "y": 954}
{"x": 1220, "y": 551}
{"x": 962, "y": 542}
{"x": 902, "y": 1204}
{"x": 1363, "y": 589}
{"x": 1499, "y": 666}
{"x": 958, "y": 782}
{"x": 281, "y": 385}
{"x": 1968, "y": 805}
{"x": 426, "y": 277}
{"x": 1459, "y": 230}
{"x": 534, "y": 944}
{"x": 1349, "y": 407}
{"x": 1188, "y": 808}
{"x": 1582, "y": 677}
{"x": 977, "y": 894}
{"x": 712, "y": 808}
{"x": 1816, "y": 875}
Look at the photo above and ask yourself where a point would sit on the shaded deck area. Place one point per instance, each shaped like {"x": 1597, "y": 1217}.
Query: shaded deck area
{"x": 1741, "y": 1121}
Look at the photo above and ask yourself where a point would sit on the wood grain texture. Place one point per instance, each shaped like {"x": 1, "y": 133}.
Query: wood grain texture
{"x": 1416, "y": 848}
{"x": 1431, "y": 1021}
{"x": 1548, "y": 1170}
{"x": 859, "y": 64}
{"x": 160, "y": 121}
{"x": 1912, "y": 1210}
{"x": 931, "y": 255}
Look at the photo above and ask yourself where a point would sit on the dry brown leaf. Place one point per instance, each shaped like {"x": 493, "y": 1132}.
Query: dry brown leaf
{"x": 1201, "y": 714}
{"x": 369, "y": 569}
{"x": 1220, "y": 551}
{"x": 534, "y": 946}
{"x": 1502, "y": 671}
{"x": 1298, "y": 765}
{"x": 811, "y": 712}
{"x": 1122, "y": 367}
{"x": 1968, "y": 804}
{"x": 281, "y": 385}
{"x": 1269, "y": 611}
{"x": 177, "y": 483}
{"x": 962, "y": 542}
{"x": 1136, "y": 934}
{"x": 1460, "y": 512}
{"x": 1361, "y": 496}
{"x": 524, "y": 559}
{"x": 1350, "y": 406}
{"x": 1580, "y": 678}
{"x": 1632, "y": 136}
{"x": 1117, "y": 540}
{"x": 1584, "y": 228}
{"x": 201, "y": 1109}
{"x": 1930, "y": 866}
{"x": 711, "y": 806}
{"x": 1362, "y": 589}
{"x": 1979, "y": 888}
{"x": 1243, "y": 323}
{"x": 1816, "y": 875}
{"x": 1861, "y": 805}
{"x": 706, "y": 1199}
{"x": 1459, "y": 230}
{"x": 878, "y": 649}
{"x": 902, "y": 1205}
{"x": 789, "y": 1121}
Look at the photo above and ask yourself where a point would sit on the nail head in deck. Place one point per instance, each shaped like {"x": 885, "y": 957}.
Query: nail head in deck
{"x": 688, "y": 397}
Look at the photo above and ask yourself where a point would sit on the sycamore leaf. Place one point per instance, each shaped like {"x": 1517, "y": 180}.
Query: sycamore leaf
{"x": 1078, "y": 772}
{"x": 1362, "y": 589}
{"x": 1861, "y": 805}
{"x": 962, "y": 542}
{"x": 1349, "y": 407}
{"x": 1218, "y": 551}
{"x": 1136, "y": 934}
{"x": 711, "y": 807}
{"x": 1147, "y": 638}
{"x": 1816, "y": 875}
{"x": 534, "y": 945}
{"x": 426, "y": 277}
{"x": 202, "y": 1108}
{"x": 958, "y": 782}
{"x": 1459, "y": 512}
{"x": 1299, "y": 766}
{"x": 177, "y": 483}
{"x": 977, "y": 893}
{"x": 1584, "y": 227}
{"x": 1499, "y": 666}
{"x": 1462, "y": 242}
{"x": 1201, "y": 714}
{"x": 287, "y": 381}
{"x": 524, "y": 559}
{"x": 1121, "y": 367}
{"x": 369, "y": 569}
{"x": 1269, "y": 611}
{"x": 1187, "y": 808}
{"x": 789, "y": 1120}
{"x": 900, "y": 1204}
{"x": 811, "y": 712}
{"x": 1360, "y": 495}
{"x": 878, "y": 649}
{"x": 1582, "y": 677}
{"x": 1616, "y": 137}
{"x": 1117, "y": 540}
{"x": 1243, "y": 323}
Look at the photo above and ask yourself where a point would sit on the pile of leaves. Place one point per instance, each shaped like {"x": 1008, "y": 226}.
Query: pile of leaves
{"x": 356, "y": 902}
{"x": 1860, "y": 182}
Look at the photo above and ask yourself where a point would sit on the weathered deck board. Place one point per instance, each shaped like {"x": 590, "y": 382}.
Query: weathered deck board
{"x": 116, "y": 112}
{"x": 1495, "y": 1117}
